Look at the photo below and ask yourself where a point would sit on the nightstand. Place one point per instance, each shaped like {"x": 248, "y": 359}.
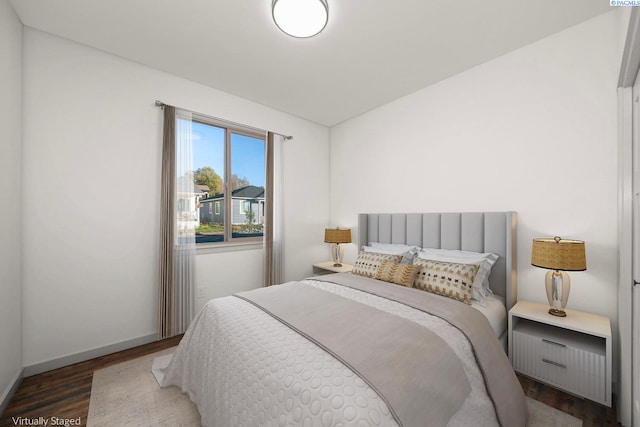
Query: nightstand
{"x": 570, "y": 353}
{"x": 327, "y": 267}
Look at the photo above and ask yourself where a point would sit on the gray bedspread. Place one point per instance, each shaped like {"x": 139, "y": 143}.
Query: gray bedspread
{"x": 396, "y": 357}
{"x": 500, "y": 380}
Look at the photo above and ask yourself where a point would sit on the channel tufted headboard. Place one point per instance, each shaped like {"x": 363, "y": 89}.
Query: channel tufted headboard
{"x": 469, "y": 231}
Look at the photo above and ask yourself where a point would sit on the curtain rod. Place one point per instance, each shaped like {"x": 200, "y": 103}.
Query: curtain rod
{"x": 162, "y": 104}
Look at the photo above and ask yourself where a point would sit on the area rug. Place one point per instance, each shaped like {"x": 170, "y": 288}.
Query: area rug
{"x": 127, "y": 394}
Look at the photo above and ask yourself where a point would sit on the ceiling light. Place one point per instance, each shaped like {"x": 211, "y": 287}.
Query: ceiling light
{"x": 300, "y": 18}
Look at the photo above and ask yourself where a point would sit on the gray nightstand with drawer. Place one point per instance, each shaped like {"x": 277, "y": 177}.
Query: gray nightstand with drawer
{"x": 570, "y": 353}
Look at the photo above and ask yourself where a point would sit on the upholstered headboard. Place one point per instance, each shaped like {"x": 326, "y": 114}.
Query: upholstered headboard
{"x": 469, "y": 231}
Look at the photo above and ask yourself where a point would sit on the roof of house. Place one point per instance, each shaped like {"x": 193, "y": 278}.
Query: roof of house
{"x": 246, "y": 192}
{"x": 202, "y": 188}
{"x": 249, "y": 191}
{"x": 186, "y": 185}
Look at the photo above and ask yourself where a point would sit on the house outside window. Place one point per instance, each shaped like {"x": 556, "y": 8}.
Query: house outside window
{"x": 230, "y": 162}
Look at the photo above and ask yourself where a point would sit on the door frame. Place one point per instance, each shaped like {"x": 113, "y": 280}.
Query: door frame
{"x": 635, "y": 253}
{"x": 628, "y": 405}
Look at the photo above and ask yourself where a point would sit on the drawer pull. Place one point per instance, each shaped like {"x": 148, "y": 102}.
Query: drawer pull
{"x": 550, "y": 362}
{"x": 554, "y": 343}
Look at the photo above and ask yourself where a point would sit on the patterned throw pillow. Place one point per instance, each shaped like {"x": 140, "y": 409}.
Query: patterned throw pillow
{"x": 400, "y": 274}
{"x": 367, "y": 263}
{"x": 446, "y": 278}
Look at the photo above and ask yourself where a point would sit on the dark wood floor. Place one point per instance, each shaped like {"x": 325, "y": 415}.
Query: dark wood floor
{"x": 591, "y": 414}
{"x": 64, "y": 393}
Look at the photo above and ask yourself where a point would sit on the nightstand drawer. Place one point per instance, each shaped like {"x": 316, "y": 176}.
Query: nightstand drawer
{"x": 573, "y": 362}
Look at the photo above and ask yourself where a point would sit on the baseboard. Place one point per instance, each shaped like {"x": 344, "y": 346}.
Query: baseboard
{"x": 11, "y": 390}
{"x": 49, "y": 365}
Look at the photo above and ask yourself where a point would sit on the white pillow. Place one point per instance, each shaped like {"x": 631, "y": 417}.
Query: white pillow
{"x": 396, "y": 247}
{"x": 408, "y": 252}
{"x": 386, "y": 251}
{"x": 484, "y": 260}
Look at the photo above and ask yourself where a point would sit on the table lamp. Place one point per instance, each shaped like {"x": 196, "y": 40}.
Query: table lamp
{"x": 337, "y": 236}
{"x": 558, "y": 255}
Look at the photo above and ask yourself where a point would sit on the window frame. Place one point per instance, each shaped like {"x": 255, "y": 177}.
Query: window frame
{"x": 230, "y": 243}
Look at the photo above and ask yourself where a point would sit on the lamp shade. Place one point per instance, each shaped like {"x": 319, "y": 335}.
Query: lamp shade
{"x": 337, "y": 235}
{"x": 559, "y": 254}
{"x": 300, "y": 18}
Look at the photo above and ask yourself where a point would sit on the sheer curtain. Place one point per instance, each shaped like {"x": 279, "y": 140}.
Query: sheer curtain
{"x": 274, "y": 231}
{"x": 178, "y": 222}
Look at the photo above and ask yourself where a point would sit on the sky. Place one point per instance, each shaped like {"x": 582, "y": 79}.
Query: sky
{"x": 247, "y": 153}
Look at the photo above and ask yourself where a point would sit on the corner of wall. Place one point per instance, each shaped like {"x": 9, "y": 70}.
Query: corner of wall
{"x": 11, "y": 49}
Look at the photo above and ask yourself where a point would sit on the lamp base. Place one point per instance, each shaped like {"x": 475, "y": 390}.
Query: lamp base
{"x": 336, "y": 254}
{"x": 556, "y": 312}
{"x": 558, "y": 285}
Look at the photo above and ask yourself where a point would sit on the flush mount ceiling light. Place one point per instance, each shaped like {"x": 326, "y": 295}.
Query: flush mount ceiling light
{"x": 300, "y": 18}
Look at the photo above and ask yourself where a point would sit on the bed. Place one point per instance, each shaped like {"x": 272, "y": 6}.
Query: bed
{"x": 352, "y": 350}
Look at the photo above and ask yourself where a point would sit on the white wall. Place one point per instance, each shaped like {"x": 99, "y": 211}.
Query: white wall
{"x": 533, "y": 131}
{"x": 10, "y": 196}
{"x": 92, "y": 139}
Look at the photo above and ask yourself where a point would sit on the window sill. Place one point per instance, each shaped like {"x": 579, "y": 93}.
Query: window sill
{"x": 211, "y": 248}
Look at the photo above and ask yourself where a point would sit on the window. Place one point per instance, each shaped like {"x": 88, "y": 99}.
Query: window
{"x": 230, "y": 162}
{"x": 245, "y": 207}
